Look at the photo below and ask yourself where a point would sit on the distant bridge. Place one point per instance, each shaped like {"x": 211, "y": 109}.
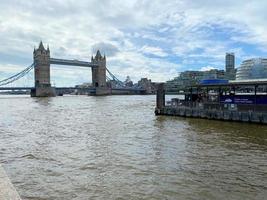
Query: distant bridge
{"x": 42, "y": 86}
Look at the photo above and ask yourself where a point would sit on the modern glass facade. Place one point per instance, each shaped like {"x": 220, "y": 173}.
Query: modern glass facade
{"x": 230, "y": 66}
{"x": 255, "y": 68}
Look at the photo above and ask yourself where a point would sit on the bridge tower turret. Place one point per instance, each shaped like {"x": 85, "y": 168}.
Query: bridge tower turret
{"x": 41, "y": 57}
{"x": 99, "y": 74}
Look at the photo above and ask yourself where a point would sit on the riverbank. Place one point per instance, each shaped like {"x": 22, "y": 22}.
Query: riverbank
{"x": 7, "y": 190}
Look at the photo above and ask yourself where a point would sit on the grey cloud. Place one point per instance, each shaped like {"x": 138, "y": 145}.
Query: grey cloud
{"x": 61, "y": 51}
{"x": 105, "y": 48}
{"x": 84, "y": 25}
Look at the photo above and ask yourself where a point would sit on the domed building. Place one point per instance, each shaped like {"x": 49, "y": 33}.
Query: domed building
{"x": 255, "y": 68}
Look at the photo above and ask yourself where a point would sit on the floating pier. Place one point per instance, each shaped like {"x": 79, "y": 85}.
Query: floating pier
{"x": 236, "y": 101}
{"x": 238, "y": 116}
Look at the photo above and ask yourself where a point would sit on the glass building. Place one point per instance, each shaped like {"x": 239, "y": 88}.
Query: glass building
{"x": 255, "y": 68}
{"x": 230, "y": 66}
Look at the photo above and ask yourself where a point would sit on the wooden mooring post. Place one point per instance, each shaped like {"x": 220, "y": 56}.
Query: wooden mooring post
{"x": 160, "y": 98}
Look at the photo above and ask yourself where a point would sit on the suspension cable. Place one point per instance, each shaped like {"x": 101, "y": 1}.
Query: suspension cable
{"x": 113, "y": 77}
{"x": 16, "y": 76}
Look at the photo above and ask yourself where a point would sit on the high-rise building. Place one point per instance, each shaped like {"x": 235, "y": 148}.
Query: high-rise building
{"x": 230, "y": 66}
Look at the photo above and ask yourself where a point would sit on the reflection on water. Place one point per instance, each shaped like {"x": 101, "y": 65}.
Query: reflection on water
{"x": 115, "y": 148}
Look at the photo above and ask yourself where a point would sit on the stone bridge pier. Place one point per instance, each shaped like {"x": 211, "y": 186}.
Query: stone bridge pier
{"x": 41, "y": 57}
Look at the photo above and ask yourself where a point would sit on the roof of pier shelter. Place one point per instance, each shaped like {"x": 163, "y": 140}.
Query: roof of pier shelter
{"x": 250, "y": 82}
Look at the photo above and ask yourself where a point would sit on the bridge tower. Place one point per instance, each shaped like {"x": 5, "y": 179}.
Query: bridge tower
{"x": 41, "y": 57}
{"x": 99, "y": 74}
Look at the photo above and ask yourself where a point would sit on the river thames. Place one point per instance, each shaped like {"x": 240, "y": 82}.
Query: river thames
{"x": 114, "y": 147}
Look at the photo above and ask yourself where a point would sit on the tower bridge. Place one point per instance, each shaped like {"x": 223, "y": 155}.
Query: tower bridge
{"x": 42, "y": 85}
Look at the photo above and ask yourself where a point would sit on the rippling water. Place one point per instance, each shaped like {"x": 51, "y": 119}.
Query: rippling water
{"x": 80, "y": 147}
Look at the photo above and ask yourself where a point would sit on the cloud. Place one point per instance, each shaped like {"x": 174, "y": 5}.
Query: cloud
{"x": 157, "y": 39}
{"x": 207, "y": 68}
{"x": 105, "y": 48}
{"x": 153, "y": 51}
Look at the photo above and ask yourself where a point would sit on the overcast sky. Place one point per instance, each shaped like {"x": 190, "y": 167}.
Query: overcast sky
{"x": 143, "y": 38}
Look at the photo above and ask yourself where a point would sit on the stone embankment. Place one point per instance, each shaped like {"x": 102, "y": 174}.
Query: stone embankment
{"x": 7, "y": 190}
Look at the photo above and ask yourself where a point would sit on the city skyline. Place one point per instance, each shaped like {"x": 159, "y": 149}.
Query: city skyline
{"x": 140, "y": 38}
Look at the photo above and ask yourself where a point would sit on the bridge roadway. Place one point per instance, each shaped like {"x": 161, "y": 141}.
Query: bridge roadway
{"x": 79, "y": 63}
{"x": 57, "y": 88}
{"x": 70, "y": 88}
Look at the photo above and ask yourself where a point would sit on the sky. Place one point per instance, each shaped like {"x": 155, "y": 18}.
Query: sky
{"x": 141, "y": 38}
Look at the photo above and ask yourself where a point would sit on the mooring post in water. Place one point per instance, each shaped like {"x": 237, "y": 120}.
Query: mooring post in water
{"x": 160, "y": 98}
